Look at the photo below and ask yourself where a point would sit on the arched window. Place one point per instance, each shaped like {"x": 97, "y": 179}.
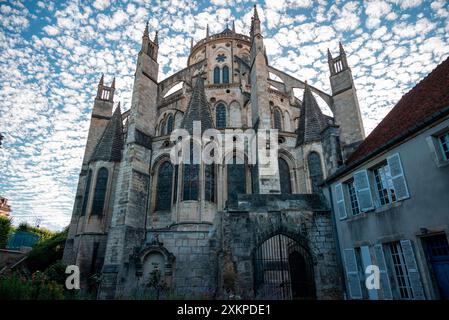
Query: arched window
{"x": 225, "y": 74}
{"x": 220, "y": 116}
{"x": 277, "y": 119}
{"x": 100, "y": 192}
{"x": 236, "y": 180}
{"x": 170, "y": 124}
{"x": 209, "y": 186}
{"x": 162, "y": 127}
{"x": 191, "y": 178}
{"x": 86, "y": 193}
{"x": 216, "y": 75}
{"x": 284, "y": 176}
{"x": 315, "y": 172}
{"x": 164, "y": 186}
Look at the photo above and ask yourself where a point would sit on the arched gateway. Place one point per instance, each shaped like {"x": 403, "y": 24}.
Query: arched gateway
{"x": 283, "y": 270}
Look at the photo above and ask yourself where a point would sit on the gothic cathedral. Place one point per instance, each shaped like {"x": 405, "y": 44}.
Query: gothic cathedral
{"x": 218, "y": 230}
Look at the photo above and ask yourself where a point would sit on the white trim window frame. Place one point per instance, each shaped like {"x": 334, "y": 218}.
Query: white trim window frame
{"x": 384, "y": 184}
{"x": 443, "y": 142}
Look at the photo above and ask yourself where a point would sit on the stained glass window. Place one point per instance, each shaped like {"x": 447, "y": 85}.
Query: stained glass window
{"x": 191, "y": 178}
{"x": 220, "y": 58}
{"x": 164, "y": 186}
{"x": 284, "y": 176}
{"x": 236, "y": 180}
{"x": 216, "y": 75}
{"x": 163, "y": 128}
{"x": 220, "y": 116}
{"x": 86, "y": 193}
{"x": 169, "y": 124}
{"x": 315, "y": 172}
{"x": 209, "y": 188}
{"x": 277, "y": 120}
{"x": 225, "y": 74}
{"x": 100, "y": 192}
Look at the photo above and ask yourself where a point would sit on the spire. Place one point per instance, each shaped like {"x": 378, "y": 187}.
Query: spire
{"x": 109, "y": 147}
{"x": 311, "y": 120}
{"x": 191, "y": 43}
{"x": 329, "y": 55}
{"x": 101, "y": 80}
{"x": 145, "y": 32}
{"x": 342, "y": 50}
{"x": 207, "y": 31}
{"x": 113, "y": 85}
{"x": 156, "y": 39}
{"x": 256, "y": 14}
{"x": 233, "y": 26}
{"x": 198, "y": 108}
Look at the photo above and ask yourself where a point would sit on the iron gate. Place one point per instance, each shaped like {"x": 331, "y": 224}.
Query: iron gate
{"x": 283, "y": 270}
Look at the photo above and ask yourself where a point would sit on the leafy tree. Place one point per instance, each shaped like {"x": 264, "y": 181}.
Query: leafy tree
{"x": 5, "y": 230}
{"x": 41, "y": 232}
{"x": 47, "y": 252}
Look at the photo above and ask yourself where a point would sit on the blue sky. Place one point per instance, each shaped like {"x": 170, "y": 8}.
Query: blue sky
{"x": 52, "y": 56}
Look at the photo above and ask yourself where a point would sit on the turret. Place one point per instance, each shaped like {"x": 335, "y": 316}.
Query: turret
{"x": 346, "y": 105}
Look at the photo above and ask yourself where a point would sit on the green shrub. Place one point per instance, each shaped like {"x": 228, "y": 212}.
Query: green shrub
{"x": 38, "y": 288}
{"x": 47, "y": 252}
{"x": 5, "y": 230}
{"x": 41, "y": 232}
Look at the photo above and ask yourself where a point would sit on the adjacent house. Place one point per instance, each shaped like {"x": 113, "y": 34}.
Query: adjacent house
{"x": 391, "y": 199}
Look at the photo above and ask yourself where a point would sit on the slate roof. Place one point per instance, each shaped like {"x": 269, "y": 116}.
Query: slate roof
{"x": 311, "y": 120}
{"x": 198, "y": 109}
{"x": 109, "y": 147}
{"x": 429, "y": 97}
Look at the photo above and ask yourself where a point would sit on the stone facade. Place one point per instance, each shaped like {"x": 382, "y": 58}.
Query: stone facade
{"x": 204, "y": 231}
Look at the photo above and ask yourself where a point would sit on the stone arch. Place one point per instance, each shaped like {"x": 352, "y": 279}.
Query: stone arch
{"x": 288, "y": 157}
{"x": 241, "y": 159}
{"x": 283, "y": 267}
{"x": 315, "y": 169}
{"x": 160, "y": 160}
{"x": 287, "y": 121}
{"x": 226, "y": 116}
{"x": 235, "y": 114}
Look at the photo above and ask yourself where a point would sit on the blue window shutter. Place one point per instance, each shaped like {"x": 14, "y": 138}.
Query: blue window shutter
{"x": 340, "y": 201}
{"x": 412, "y": 269}
{"x": 363, "y": 190}
{"x": 397, "y": 176}
{"x": 385, "y": 286}
{"x": 352, "y": 274}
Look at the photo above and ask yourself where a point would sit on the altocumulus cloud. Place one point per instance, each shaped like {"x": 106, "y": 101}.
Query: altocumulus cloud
{"x": 52, "y": 55}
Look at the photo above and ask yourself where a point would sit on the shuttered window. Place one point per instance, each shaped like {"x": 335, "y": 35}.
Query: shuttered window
{"x": 385, "y": 286}
{"x": 352, "y": 274}
{"x": 397, "y": 177}
{"x": 100, "y": 192}
{"x": 406, "y": 274}
{"x": 353, "y": 198}
{"x": 363, "y": 191}
{"x": 340, "y": 200}
{"x": 164, "y": 186}
{"x": 444, "y": 144}
{"x": 384, "y": 185}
